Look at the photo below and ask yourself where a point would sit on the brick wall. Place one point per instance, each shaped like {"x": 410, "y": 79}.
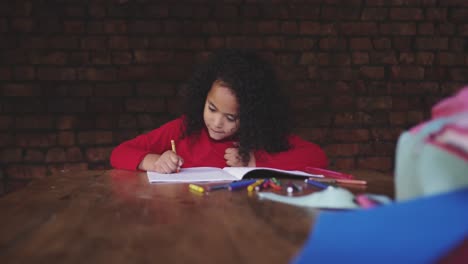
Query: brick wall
{"x": 78, "y": 77}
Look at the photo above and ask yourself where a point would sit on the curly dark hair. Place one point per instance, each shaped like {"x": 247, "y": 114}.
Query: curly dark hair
{"x": 263, "y": 110}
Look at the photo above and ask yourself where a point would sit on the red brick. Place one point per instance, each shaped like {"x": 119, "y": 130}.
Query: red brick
{"x": 34, "y": 122}
{"x": 97, "y": 74}
{"x": 226, "y": 11}
{"x": 22, "y": 25}
{"x": 152, "y": 57}
{"x": 66, "y": 105}
{"x": 342, "y": 149}
{"x": 34, "y": 155}
{"x": 308, "y": 58}
{"x": 26, "y": 171}
{"x": 94, "y": 137}
{"x": 5, "y": 73}
{"x": 66, "y": 167}
{"x": 9, "y": 155}
{"x": 253, "y": 11}
{"x": 324, "y": 29}
{"x": 6, "y": 139}
{"x": 75, "y": 11}
{"x": 360, "y": 58}
{"x": 333, "y": 44}
{"x": 342, "y": 102}
{"x": 408, "y": 72}
{"x": 350, "y": 135}
{"x": 105, "y": 105}
{"x": 444, "y": 29}
{"x": 6, "y": 122}
{"x": 56, "y": 74}
{"x": 244, "y": 42}
{"x": 134, "y": 72}
{"x": 378, "y": 14}
{"x": 374, "y": 103}
{"x": 66, "y": 122}
{"x": 20, "y": 89}
{"x": 79, "y": 58}
{"x": 454, "y": 3}
{"x": 115, "y": 26}
{"x": 439, "y": 14}
{"x": 299, "y": 44}
{"x": 426, "y": 29}
{"x": 155, "y": 89}
{"x": 23, "y": 73}
{"x": 100, "y": 58}
{"x": 403, "y": 43}
{"x": 406, "y": 58}
{"x": 359, "y": 28}
{"x": 289, "y": 27}
{"x": 303, "y": 11}
{"x": 312, "y": 134}
{"x": 375, "y": 73}
{"x": 98, "y": 154}
{"x": 361, "y": 44}
{"x": 55, "y": 155}
{"x": 24, "y": 105}
{"x": 268, "y": 27}
{"x": 386, "y": 134}
{"x": 431, "y": 43}
{"x": 106, "y": 121}
{"x": 398, "y": 29}
{"x": 344, "y": 163}
{"x": 273, "y": 43}
{"x": 382, "y": 43}
{"x": 122, "y": 57}
{"x": 341, "y": 73}
{"x": 73, "y": 27}
{"x": 97, "y": 9}
{"x": 406, "y": 13}
{"x": 458, "y": 14}
{"x": 425, "y": 58}
{"x": 66, "y": 138}
{"x": 62, "y": 42}
{"x": 116, "y": 89}
{"x": 215, "y": 42}
{"x": 37, "y": 139}
{"x": 446, "y": 58}
{"x": 93, "y": 43}
{"x": 457, "y": 44}
{"x": 340, "y": 13}
{"x": 458, "y": 74}
{"x": 375, "y": 163}
{"x": 74, "y": 154}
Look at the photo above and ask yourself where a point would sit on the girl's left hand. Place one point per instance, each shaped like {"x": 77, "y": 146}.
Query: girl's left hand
{"x": 233, "y": 159}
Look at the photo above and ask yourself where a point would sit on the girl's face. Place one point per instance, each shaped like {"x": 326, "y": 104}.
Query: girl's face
{"x": 221, "y": 113}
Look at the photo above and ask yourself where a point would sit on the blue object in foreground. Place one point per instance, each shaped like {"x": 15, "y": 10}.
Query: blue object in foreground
{"x": 421, "y": 230}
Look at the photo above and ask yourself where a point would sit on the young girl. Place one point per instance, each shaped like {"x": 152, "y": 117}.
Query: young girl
{"x": 234, "y": 115}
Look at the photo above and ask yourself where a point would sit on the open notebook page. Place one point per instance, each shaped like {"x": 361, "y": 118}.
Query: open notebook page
{"x": 201, "y": 174}
{"x": 198, "y": 174}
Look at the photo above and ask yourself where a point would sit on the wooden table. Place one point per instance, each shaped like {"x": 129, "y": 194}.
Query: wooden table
{"x": 118, "y": 217}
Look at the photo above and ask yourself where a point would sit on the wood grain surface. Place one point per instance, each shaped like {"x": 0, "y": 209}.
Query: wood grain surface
{"x": 116, "y": 216}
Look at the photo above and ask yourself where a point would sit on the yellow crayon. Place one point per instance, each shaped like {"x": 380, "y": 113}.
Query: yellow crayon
{"x": 196, "y": 188}
{"x": 252, "y": 186}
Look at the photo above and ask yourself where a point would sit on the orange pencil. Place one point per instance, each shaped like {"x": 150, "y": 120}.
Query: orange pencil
{"x": 174, "y": 150}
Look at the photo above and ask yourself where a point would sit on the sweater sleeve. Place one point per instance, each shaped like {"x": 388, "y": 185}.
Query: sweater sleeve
{"x": 301, "y": 154}
{"x": 129, "y": 154}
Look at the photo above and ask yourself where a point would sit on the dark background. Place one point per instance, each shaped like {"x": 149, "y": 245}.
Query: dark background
{"x": 78, "y": 77}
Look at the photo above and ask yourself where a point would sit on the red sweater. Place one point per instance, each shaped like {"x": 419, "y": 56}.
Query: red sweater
{"x": 207, "y": 152}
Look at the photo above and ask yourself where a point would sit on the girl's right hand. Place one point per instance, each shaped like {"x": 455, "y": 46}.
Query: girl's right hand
{"x": 168, "y": 162}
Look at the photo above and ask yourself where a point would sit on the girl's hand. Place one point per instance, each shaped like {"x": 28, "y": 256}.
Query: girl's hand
{"x": 168, "y": 162}
{"x": 233, "y": 159}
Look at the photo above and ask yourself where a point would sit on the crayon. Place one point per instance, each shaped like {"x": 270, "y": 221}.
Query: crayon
{"x": 316, "y": 184}
{"x": 196, "y": 188}
{"x": 252, "y": 186}
{"x": 240, "y": 184}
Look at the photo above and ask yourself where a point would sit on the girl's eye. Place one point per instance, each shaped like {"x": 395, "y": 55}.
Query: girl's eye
{"x": 211, "y": 109}
{"x": 231, "y": 118}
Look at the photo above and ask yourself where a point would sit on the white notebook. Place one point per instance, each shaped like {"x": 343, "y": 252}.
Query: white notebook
{"x": 206, "y": 174}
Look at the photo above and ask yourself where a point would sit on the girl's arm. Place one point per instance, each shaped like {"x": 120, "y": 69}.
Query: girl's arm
{"x": 129, "y": 154}
{"x": 301, "y": 154}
